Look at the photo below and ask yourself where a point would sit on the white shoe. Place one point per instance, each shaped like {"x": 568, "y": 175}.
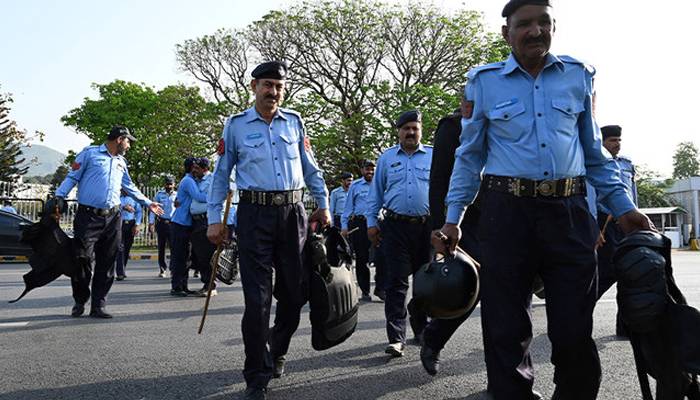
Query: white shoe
{"x": 394, "y": 349}
{"x": 162, "y": 274}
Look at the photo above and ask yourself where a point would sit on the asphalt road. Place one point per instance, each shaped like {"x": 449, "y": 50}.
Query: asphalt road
{"x": 151, "y": 349}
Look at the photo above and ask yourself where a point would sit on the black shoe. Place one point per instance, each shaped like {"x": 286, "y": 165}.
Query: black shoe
{"x": 380, "y": 294}
{"x": 77, "y": 310}
{"x": 189, "y": 292}
{"x": 121, "y": 277}
{"x": 430, "y": 359}
{"x": 100, "y": 312}
{"x": 536, "y": 396}
{"x": 279, "y": 367}
{"x": 366, "y": 298}
{"x": 178, "y": 293}
{"x": 253, "y": 393}
{"x": 417, "y": 339}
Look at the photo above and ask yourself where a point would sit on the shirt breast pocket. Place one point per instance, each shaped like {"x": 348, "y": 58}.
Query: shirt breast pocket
{"x": 253, "y": 148}
{"x": 423, "y": 173}
{"x": 564, "y": 115}
{"x": 291, "y": 144}
{"x": 395, "y": 175}
{"x": 510, "y": 121}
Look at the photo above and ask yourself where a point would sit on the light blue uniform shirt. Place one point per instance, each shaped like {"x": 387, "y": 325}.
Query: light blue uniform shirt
{"x": 400, "y": 183}
{"x": 167, "y": 202}
{"x": 137, "y": 215}
{"x": 204, "y": 184}
{"x": 535, "y": 128}
{"x": 356, "y": 203}
{"x": 101, "y": 176}
{"x": 627, "y": 174}
{"x": 337, "y": 201}
{"x": 187, "y": 191}
{"x": 232, "y": 216}
{"x": 267, "y": 157}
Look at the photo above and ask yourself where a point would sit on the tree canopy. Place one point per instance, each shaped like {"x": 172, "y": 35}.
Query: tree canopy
{"x": 170, "y": 125}
{"x": 354, "y": 66}
{"x": 686, "y": 161}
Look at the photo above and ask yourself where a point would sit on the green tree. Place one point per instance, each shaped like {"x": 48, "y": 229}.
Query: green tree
{"x": 651, "y": 189}
{"x": 686, "y": 161}
{"x": 11, "y": 140}
{"x": 354, "y": 66}
{"x": 170, "y": 124}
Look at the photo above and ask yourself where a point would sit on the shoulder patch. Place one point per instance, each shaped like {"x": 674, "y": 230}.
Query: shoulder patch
{"x": 571, "y": 60}
{"x": 488, "y": 67}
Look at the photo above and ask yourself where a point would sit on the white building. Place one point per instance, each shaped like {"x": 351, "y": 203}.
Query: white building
{"x": 686, "y": 193}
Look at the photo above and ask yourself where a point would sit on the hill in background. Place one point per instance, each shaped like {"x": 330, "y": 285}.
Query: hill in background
{"x": 42, "y": 160}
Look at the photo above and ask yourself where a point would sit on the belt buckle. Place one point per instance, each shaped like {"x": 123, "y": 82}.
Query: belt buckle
{"x": 514, "y": 187}
{"x": 546, "y": 188}
{"x": 278, "y": 199}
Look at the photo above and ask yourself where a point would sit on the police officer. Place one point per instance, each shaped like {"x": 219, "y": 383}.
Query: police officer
{"x": 181, "y": 227}
{"x": 339, "y": 196}
{"x": 161, "y": 224}
{"x": 100, "y": 172}
{"x": 529, "y": 126}
{"x": 132, "y": 215}
{"x": 273, "y": 159}
{"x": 612, "y": 234}
{"x": 400, "y": 186}
{"x": 202, "y": 248}
{"x": 353, "y": 218}
{"x": 7, "y": 207}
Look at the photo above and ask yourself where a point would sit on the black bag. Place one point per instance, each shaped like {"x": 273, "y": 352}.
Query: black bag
{"x": 333, "y": 298}
{"x": 227, "y": 269}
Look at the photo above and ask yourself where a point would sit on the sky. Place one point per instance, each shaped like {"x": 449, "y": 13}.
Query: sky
{"x": 54, "y": 50}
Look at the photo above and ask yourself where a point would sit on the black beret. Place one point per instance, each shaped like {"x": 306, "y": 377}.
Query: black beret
{"x": 203, "y": 162}
{"x": 119, "y": 131}
{"x": 270, "y": 70}
{"x": 409, "y": 116}
{"x": 345, "y": 175}
{"x": 611, "y": 131}
{"x": 189, "y": 162}
{"x": 368, "y": 163}
{"x": 513, "y": 5}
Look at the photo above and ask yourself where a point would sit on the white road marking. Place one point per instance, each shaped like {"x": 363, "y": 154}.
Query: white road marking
{"x": 12, "y": 324}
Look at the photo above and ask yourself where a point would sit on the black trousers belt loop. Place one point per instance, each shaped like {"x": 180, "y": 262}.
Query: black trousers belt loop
{"x": 199, "y": 217}
{"x": 279, "y": 198}
{"x": 389, "y": 214}
{"x": 102, "y": 212}
{"x": 162, "y": 220}
{"x": 521, "y": 187}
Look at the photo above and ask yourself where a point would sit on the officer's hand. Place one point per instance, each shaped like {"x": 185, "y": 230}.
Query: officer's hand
{"x": 635, "y": 221}
{"x": 445, "y": 240}
{"x": 374, "y": 235}
{"x": 216, "y": 233}
{"x": 135, "y": 230}
{"x": 322, "y": 216}
{"x": 151, "y": 228}
{"x": 156, "y": 209}
{"x": 344, "y": 233}
{"x": 129, "y": 208}
{"x": 176, "y": 203}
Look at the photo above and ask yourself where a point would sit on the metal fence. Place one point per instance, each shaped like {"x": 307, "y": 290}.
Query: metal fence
{"x": 29, "y": 200}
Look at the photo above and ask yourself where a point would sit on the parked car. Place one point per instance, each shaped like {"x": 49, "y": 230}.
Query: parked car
{"x": 10, "y": 232}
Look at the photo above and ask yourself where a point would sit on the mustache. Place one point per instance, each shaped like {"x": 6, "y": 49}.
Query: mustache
{"x": 538, "y": 40}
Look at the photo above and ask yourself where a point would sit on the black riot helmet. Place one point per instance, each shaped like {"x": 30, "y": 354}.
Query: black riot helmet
{"x": 640, "y": 266}
{"x": 447, "y": 288}
{"x": 327, "y": 248}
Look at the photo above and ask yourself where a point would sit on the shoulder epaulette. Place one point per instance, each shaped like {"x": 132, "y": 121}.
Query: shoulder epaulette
{"x": 292, "y": 112}
{"x": 476, "y": 70}
{"x": 623, "y": 158}
{"x": 240, "y": 114}
{"x": 572, "y": 60}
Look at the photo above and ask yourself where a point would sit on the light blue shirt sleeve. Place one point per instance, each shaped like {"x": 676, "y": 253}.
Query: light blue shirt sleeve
{"x": 73, "y": 177}
{"x": 222, "y": 174}
{"x": 313, "y": 176}
{"x": 349, "y": 206}
{"x": 139, "y": 214}
{"x": 375, "y": 199}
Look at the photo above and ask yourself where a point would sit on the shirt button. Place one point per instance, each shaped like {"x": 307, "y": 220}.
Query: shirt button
{"x": 505, "y": 116}
{"x": 538, "y": 114}
{"x": 273, "y": 143}
{"x": 543, "y": 145}
{"x": 278, "y": 174}
{"x": 275, "y": 158}
{"x": 545, "y": 173}
{"x": 537, "y": 87}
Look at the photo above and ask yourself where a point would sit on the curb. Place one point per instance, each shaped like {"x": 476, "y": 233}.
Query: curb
{"x": 131, "y": 257}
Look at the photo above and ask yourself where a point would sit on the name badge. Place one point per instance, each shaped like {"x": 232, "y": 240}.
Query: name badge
{"x": 505, "y": 103}
{"x": 396, "y": 164}
{"x": 254, "y": 136}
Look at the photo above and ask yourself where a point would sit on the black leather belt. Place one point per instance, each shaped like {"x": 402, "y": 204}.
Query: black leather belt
{"x": 388, "y": 214}
{"x": 162, "y": 220}
{"x": 357, "y": 217}
{"x": 129, "y": 222}
{"x": 101, "y": 212}
{"x": 521, "y": 187}
{"x": 199, "y": 217}
{"x": 280, "y": 198}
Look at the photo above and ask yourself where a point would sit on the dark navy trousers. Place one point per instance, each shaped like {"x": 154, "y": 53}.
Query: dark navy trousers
{"x": 179, "y": 253}
{"x": 606, "y": 269}
{"x": 124, "y": 249}
{"x": 405, "y": 247}
{"x": 96, "y": 239}
{"x": 270, "y": 238}
{"x": 361, "y": 244}
{"x": 202, "y": 250}
{"x": 555, "y": 237}
{"x": 163, "y": 233}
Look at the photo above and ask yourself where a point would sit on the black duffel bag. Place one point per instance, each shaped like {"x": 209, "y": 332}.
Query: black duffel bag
{"x": 333, "y": 298}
